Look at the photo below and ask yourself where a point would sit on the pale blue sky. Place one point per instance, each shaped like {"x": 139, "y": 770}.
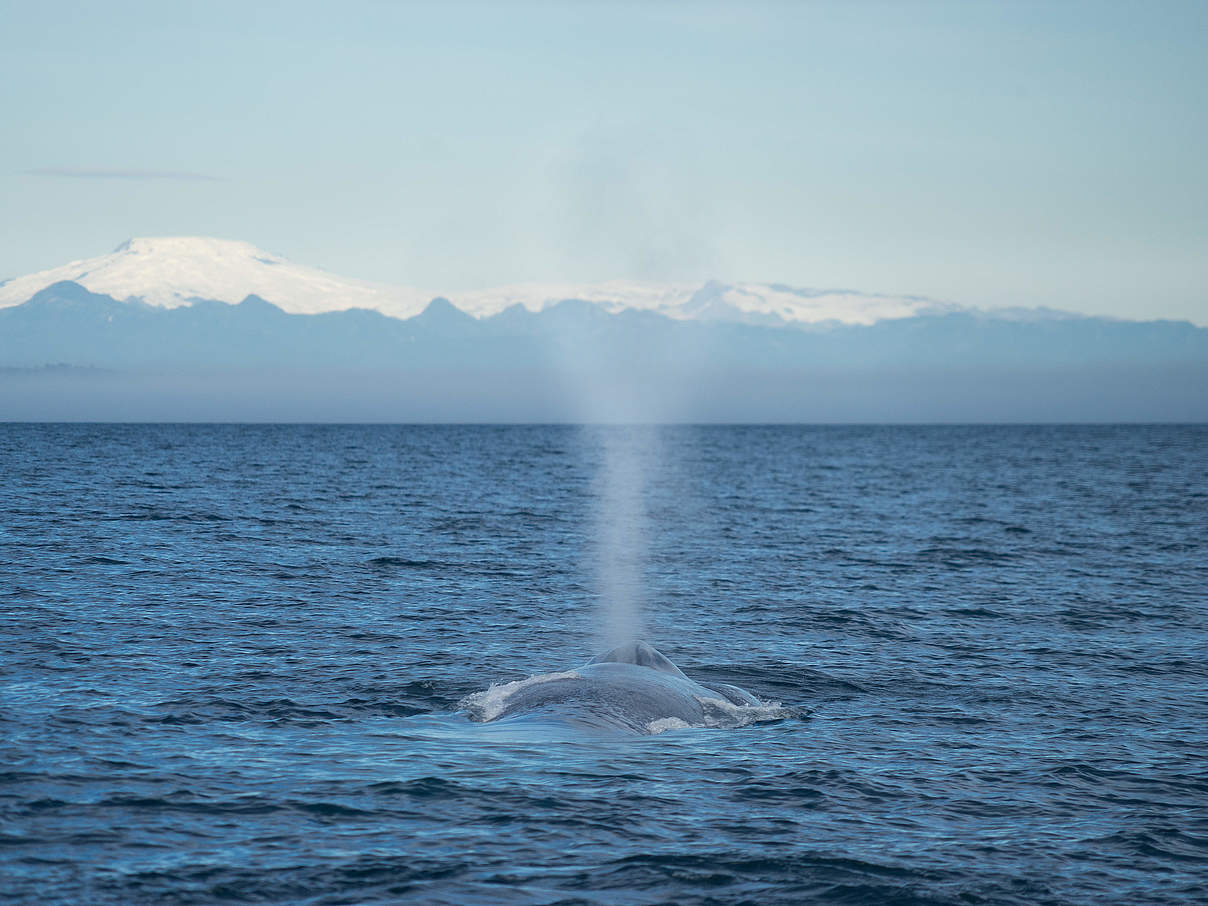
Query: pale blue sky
{"x": 991, "y": 154}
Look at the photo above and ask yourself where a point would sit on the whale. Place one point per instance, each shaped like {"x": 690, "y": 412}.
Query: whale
{"x": 633, "y": 687}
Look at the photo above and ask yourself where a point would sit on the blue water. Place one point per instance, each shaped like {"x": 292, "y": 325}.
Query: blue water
{"x": 232, "y": 658}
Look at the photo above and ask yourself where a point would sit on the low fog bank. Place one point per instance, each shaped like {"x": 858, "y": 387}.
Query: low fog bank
{"x": 1130, "y": 393}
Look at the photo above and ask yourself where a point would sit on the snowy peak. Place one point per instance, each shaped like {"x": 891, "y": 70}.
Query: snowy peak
{"x": 197, "y": 252}
{"x": 189, "y": 246}
{"x": 172, "y": 271}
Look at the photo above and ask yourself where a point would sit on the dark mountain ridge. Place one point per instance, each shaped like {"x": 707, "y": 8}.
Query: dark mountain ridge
{"x": 1098, "y": 366}
{"x": 65, "y": 323}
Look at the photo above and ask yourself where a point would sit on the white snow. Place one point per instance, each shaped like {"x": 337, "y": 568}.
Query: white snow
{"x": 175, "y": 271}
{"x": 754, "y": 302}
{"x": 612, "y": 296}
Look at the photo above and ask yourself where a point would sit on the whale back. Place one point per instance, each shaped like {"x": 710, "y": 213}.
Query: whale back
{"x": 633, "y": 687}
{"x": 639, "y": 654}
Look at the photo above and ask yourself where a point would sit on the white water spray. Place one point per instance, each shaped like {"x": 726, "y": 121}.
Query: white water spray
{"x": 624, "y": 388}
{"x": 628, "y": 454}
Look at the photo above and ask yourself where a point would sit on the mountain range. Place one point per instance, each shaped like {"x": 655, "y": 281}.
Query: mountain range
{"x": 183, "y": 329}
{"x": 178, "y": 271}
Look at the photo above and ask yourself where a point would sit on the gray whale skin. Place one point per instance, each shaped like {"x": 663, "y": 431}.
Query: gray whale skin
{"x": 632, "y": 687}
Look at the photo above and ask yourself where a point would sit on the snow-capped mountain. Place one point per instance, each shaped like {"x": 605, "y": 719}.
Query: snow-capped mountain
{"x": 175, "y": 271}
{"x": 749, "y": 303}
{"x": 67, "y": 352}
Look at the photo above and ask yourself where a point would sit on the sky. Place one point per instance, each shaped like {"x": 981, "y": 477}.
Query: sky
{"x": 990, "y": 154}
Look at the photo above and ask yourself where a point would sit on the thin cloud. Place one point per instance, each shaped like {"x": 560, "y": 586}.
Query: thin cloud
{"x": 102, "y": 173}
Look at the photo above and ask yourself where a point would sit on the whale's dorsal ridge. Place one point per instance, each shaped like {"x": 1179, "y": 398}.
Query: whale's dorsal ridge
{"x": 639, "y": 653}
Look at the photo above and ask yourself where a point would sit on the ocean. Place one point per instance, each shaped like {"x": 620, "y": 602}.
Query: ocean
{"x": 235, "y": 662}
